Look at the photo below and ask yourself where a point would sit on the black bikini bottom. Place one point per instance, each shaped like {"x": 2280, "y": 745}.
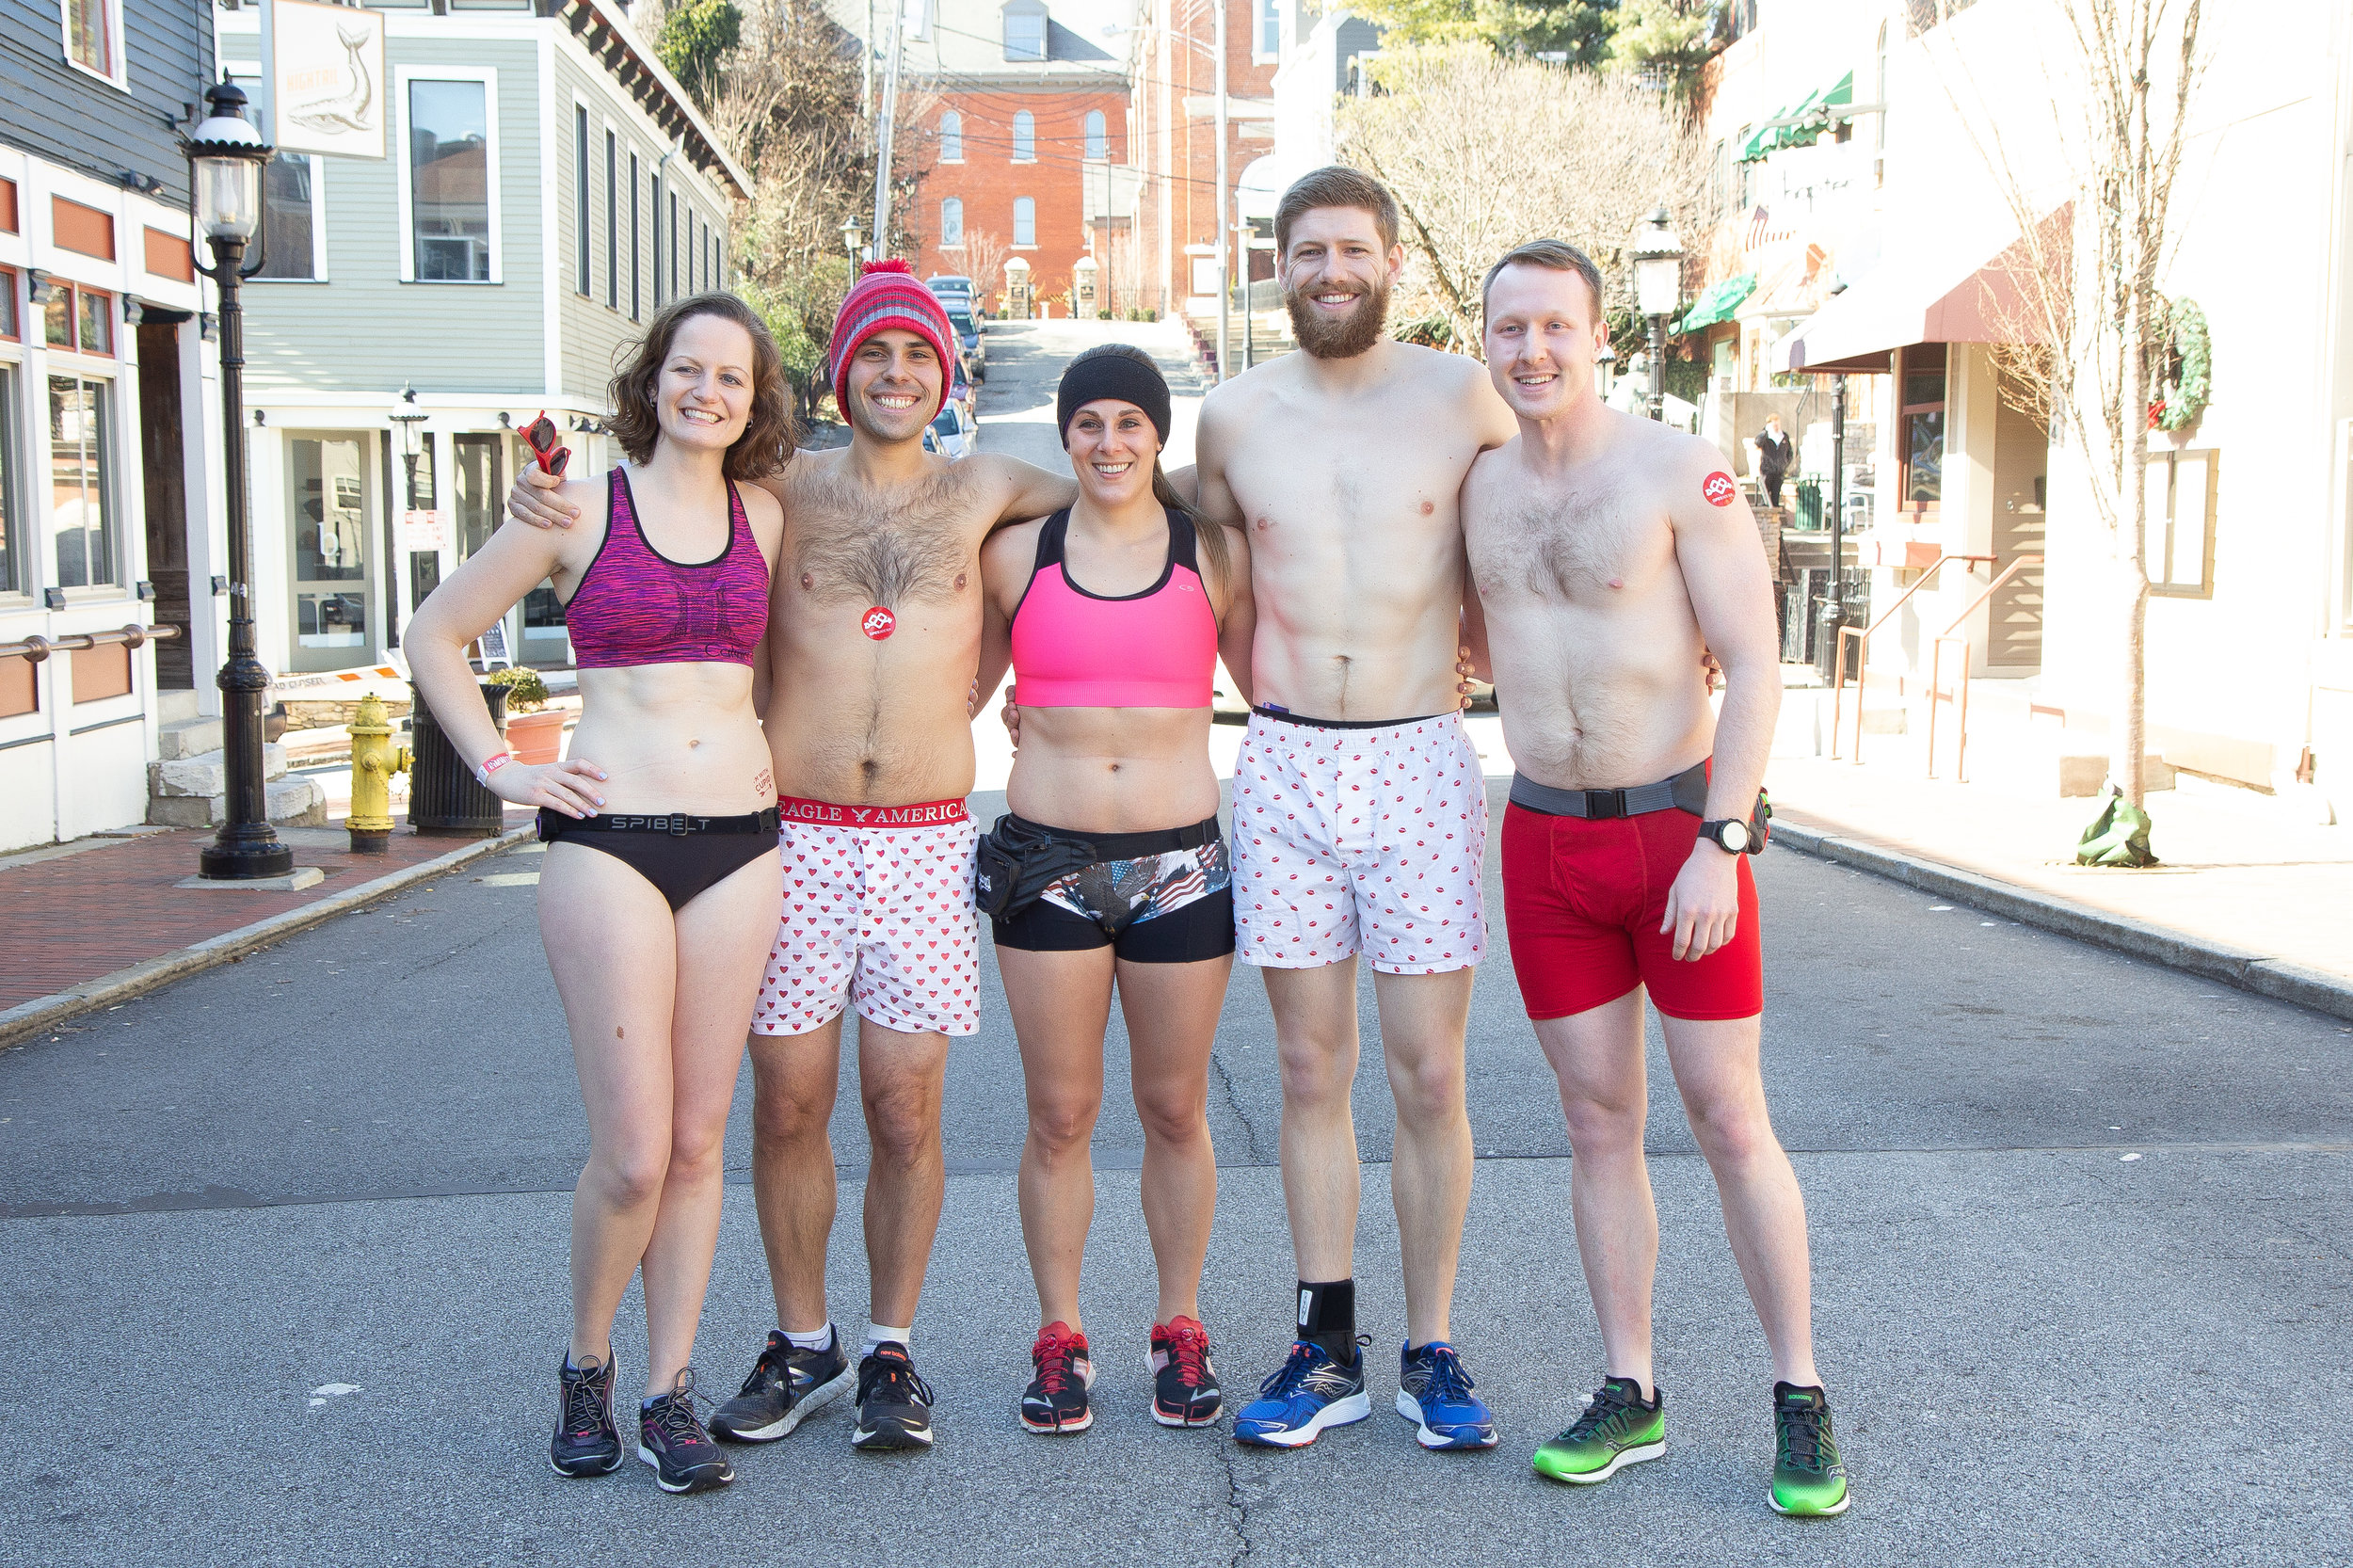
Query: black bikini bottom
{"x": 682, "y": 856}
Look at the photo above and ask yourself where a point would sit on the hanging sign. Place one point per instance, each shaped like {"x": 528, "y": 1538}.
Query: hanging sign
{"x": 326, "y": 82}
{"x": 425, "y": 531}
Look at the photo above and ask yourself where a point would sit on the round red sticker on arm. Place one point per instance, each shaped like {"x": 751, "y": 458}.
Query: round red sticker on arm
{"x": 878, "y": 623}
{"x": 1719, "y": 488}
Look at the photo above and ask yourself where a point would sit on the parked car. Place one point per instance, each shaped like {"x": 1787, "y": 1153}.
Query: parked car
{"x": 960, "y": 390}
{"x": 955, "y": 294}
{"x": 951, "y": 434}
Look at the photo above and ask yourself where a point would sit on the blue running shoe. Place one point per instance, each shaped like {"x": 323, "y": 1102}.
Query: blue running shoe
{"x": 1307, "y": 1394}
{"x": 1435, "y": 1393}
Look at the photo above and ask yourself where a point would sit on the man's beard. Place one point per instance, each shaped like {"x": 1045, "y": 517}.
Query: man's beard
{"x": 1344, "y": 339}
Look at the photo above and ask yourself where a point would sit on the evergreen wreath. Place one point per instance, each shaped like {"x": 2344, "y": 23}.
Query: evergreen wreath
{"x": 2187, "y": 383}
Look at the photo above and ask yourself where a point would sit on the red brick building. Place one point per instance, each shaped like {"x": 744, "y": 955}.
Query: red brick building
{"x": 1021, "y": 95}
{"x": 1172, "y": 108}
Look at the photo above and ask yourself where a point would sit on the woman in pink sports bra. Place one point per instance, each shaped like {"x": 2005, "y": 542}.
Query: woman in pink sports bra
{"x": 658, "y": 894}
{"x": 1113, "y": 615}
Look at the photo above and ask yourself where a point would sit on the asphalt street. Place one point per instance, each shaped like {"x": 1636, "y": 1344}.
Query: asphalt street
{"x": 284, "y": 1250}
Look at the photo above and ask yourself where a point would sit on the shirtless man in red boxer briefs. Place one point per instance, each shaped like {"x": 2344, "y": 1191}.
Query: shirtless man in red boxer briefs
{"x": 874, "y": 634}
{"x": 1609, "y": 551}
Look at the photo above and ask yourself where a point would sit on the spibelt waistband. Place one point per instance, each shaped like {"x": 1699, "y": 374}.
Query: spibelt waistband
{"x": 677, "y": 824}
{"x": 1686, "y": 792}
{"x": 1288, "y": 717}
{"x": 930, "y": 813}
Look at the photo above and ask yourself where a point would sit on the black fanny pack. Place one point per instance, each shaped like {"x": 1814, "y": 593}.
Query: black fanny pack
{"x": 1017, "y": 861}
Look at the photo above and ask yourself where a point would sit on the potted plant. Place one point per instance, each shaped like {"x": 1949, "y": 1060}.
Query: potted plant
{"x": 534, "y": 731}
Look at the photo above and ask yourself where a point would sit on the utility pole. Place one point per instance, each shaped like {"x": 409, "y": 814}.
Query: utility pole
{"x": 1224, "y": 237}
{"x": 882, "y": 138}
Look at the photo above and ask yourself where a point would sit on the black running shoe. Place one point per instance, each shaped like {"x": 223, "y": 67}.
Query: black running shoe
{"x": 587, "y": 1442}
{"x": 1184, "y": 1385}
{"x": 1056, "y": 1400}
{"x": 787, "y": 1385}
{"x": 671, "y": 1439}
{"x": 894, "y": 1406}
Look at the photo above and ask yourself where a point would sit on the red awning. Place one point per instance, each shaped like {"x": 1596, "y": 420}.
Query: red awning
{"x": 1927, "y": 297}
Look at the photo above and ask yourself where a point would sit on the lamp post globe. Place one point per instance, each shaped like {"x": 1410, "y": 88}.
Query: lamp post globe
{"x": 1657, "y": 258}
{"x": 225, "y": 158}
{"x": 850, "y": 240}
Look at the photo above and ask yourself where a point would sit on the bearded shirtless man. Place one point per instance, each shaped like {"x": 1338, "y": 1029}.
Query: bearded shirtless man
{"x": 874, "y": 634}
{"x": 1609, "y": 551}
{"x": 1360, "y": 810}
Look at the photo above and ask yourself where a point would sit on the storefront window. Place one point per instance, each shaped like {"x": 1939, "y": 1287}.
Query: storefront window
{"x": 1921, "y": 426}
{"x": 478, "y": 485}
{"x": 80, "y": 432}
{"x": 330, "y": 534}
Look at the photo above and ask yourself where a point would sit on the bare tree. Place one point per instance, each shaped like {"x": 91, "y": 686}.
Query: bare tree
{"x": 984, "y": 263}
{"x": 1483, "y": 153}
{"x": 2088, "y": 315}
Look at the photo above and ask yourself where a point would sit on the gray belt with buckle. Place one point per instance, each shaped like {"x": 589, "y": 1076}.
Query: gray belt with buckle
{"x": 1686, "y": 792}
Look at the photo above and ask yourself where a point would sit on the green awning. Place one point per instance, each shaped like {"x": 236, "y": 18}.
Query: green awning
{"x": 1717, "y": 304}
{"x": 1788, "y": 128}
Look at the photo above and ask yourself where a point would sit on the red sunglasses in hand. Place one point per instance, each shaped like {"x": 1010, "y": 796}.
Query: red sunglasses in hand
{"x": 546, "y": 444}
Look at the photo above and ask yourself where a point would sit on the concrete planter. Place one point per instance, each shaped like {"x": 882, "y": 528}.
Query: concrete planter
{"x": 535, "y": 738}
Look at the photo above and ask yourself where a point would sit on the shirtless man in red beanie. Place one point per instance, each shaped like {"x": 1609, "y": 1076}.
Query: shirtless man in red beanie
{"x": 875, "y": 633}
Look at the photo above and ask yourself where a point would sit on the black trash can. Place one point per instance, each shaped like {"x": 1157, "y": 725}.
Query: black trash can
{"x": 443, "y": 799}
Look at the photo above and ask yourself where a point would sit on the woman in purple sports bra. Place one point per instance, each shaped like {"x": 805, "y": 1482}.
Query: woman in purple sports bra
{"x": 1109, "y": 870}
{"x": 660, "y": 892}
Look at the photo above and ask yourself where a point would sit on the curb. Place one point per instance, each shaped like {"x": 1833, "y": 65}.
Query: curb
{"x": 31, "y": 1017}
{"x": 2276, "y": 978}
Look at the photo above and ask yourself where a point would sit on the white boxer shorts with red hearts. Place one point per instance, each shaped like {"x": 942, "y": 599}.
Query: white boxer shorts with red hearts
{"x": 877, "y": 909}
{"x": 1350, "y": 840}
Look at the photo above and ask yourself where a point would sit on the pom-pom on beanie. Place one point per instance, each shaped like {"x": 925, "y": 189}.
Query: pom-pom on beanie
{"x": 888, "y": 296}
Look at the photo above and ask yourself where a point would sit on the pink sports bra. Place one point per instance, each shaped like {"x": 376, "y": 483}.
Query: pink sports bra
{"x": 634, "y": 605}
{"x": 1072, "y": 649}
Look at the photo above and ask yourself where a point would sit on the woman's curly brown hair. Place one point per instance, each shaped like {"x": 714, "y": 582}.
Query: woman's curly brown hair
{"x": 769, "y": 435}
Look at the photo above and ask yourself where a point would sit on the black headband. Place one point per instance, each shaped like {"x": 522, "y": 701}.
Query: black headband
{"x": 1115, "y": 377}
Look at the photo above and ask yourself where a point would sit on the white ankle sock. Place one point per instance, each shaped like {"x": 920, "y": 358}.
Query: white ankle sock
{"x": 877, "y": 1333}
{"x": 816, "y": 1341}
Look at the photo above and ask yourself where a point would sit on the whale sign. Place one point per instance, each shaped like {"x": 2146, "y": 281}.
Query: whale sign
{"x": 326, "y": 82}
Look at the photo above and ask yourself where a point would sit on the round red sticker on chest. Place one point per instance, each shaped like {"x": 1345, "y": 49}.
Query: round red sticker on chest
{"x": 1719, "y": 488}
{"x": 878, "y": 623}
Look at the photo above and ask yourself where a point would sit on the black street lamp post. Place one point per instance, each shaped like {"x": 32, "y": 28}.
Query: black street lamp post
{"x": 1834, "y": 607}
{"x": 1657, "y": 256}
{"x": 225, "y": 158}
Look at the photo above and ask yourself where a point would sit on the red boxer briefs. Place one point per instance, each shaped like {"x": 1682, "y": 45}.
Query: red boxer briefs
{"x": 1582, "y": 902}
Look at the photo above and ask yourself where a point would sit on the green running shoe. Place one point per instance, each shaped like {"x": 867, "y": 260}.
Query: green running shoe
{"x": 1618, "y": 1429}
{"x": 1808, "y": 1479}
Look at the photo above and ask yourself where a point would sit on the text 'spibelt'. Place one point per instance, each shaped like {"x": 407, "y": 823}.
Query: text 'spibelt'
{"x": 929, "y": 813}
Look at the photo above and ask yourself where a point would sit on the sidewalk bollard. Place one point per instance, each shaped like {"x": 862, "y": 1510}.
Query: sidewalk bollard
{"x": 374, "y": 760}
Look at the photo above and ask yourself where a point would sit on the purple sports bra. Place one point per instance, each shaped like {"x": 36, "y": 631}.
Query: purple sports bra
{"x": 634, "y": 605}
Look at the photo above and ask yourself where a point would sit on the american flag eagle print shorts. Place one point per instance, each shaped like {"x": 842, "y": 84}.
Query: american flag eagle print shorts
{"x": 877, "y": 911}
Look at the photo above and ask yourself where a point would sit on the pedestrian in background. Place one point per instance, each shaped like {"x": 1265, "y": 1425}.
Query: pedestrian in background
{"x": 1112, "y": 613}
{"x": 661, "y": 890}
{"x": 1773, "y": 455}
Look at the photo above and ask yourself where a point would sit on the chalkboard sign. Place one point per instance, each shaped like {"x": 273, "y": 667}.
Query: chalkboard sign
{"x": 494, "y": 645}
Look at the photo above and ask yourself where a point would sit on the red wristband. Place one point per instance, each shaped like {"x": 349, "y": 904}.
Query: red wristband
{"x": 490, "y": 765}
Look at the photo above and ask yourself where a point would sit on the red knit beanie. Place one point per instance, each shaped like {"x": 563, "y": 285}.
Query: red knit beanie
{"x": 889, "y": 295}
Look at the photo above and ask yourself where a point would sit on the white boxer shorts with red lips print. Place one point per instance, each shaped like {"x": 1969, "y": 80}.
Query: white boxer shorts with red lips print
{"x": 1350, "y": 839}
{"x": 878, "y": 910}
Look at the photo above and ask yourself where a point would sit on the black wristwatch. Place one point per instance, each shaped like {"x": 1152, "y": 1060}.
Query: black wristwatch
{"x": 1731, "y": 836}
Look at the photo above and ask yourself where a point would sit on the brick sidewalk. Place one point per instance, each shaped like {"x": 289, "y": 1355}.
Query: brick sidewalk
{"x": 68, "y": 918}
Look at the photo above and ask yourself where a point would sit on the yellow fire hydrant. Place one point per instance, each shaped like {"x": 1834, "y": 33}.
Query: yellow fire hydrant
{"x": 374, "y": 760}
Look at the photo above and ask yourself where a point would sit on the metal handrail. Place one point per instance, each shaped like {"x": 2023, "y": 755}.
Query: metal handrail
{"x": 1863, "y": 635}
{"x": 1959, "y": 698}
{"x": 36, "y": 649}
